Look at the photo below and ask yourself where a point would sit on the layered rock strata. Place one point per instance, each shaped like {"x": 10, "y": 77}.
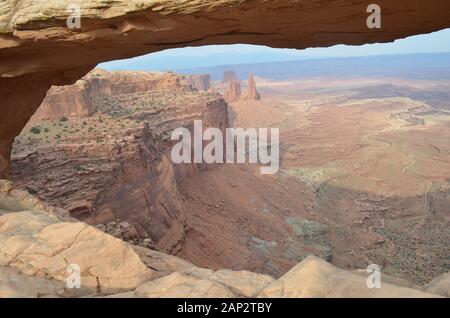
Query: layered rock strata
{"x": 233, "y": 91}
{"x": 38, "y": 50}
{"x": 252, "y": 92}
{"x": 39, "y": 244}
{"x": 115, "y": 164}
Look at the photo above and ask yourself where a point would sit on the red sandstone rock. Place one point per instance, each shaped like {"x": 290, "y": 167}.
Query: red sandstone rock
{"x": 77, "y": 100}
{"x": 37, "y": 50}
{"x": 229, "y": 76}
{"x": 252, "y": 92}
{"x": 115, "y": 164}
{"x": 233, "y": 92}
{"x": 201, "y": 82}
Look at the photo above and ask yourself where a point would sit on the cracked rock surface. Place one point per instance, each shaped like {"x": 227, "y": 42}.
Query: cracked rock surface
{"x": 38, "y": 243}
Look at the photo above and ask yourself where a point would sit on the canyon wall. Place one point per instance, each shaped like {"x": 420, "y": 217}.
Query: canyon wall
{"x": 37, "y": 50}
{"x": 112, "y": 160}
{"x": 252, "y": 92}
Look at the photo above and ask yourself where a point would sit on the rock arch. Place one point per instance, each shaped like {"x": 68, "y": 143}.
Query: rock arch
{"x": 37, "y": 50}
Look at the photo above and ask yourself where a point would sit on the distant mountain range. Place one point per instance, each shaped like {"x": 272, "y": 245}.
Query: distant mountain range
{"x": 413, "y": 66}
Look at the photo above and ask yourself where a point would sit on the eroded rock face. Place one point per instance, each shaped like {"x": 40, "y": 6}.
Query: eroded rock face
{"x": 37, "y": 50}
{"x": 229, "y": 76}
{"x": 78, "y": 100}
{"x": 66, "y": 101}
{"x": 36, "y": 247}
{"x": 179, "y": 285}
{"x": 36, "y": 242}
{"x": 204, "y": 283}
{"x": 17, "y": 96}
{"x": 39, "y": 245}
{"x": 252, "y": 92}
{"x": 114, "y": 165}
{"x": 439, "y": 286}
{"x": 16, "y": 200}
{"x": 14, "y": 284}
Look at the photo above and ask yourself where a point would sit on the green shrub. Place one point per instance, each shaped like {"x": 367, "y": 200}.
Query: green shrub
{"x": 35, "y": 130}
{"x": 63, "y": 118}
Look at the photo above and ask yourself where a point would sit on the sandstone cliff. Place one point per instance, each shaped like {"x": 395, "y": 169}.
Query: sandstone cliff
{"x": 77, "y": 100}
{"x": 233, "y": 91}
{"x": 38, "y": 51}
{"x": 201, "y": 82}
{"x": 229, "y": 76}
{"x": 39, "y": 243}
{"x": 252, "y": 92}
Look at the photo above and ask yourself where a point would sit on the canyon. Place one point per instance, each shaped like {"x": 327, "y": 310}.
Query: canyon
{"x": 343, "y": 194}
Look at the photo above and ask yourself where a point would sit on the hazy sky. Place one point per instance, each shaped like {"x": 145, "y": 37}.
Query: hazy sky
{"x": 178, "y": 59}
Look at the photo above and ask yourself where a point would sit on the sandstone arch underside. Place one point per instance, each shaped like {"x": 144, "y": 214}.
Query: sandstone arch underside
{"x": 37, "y": 50}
